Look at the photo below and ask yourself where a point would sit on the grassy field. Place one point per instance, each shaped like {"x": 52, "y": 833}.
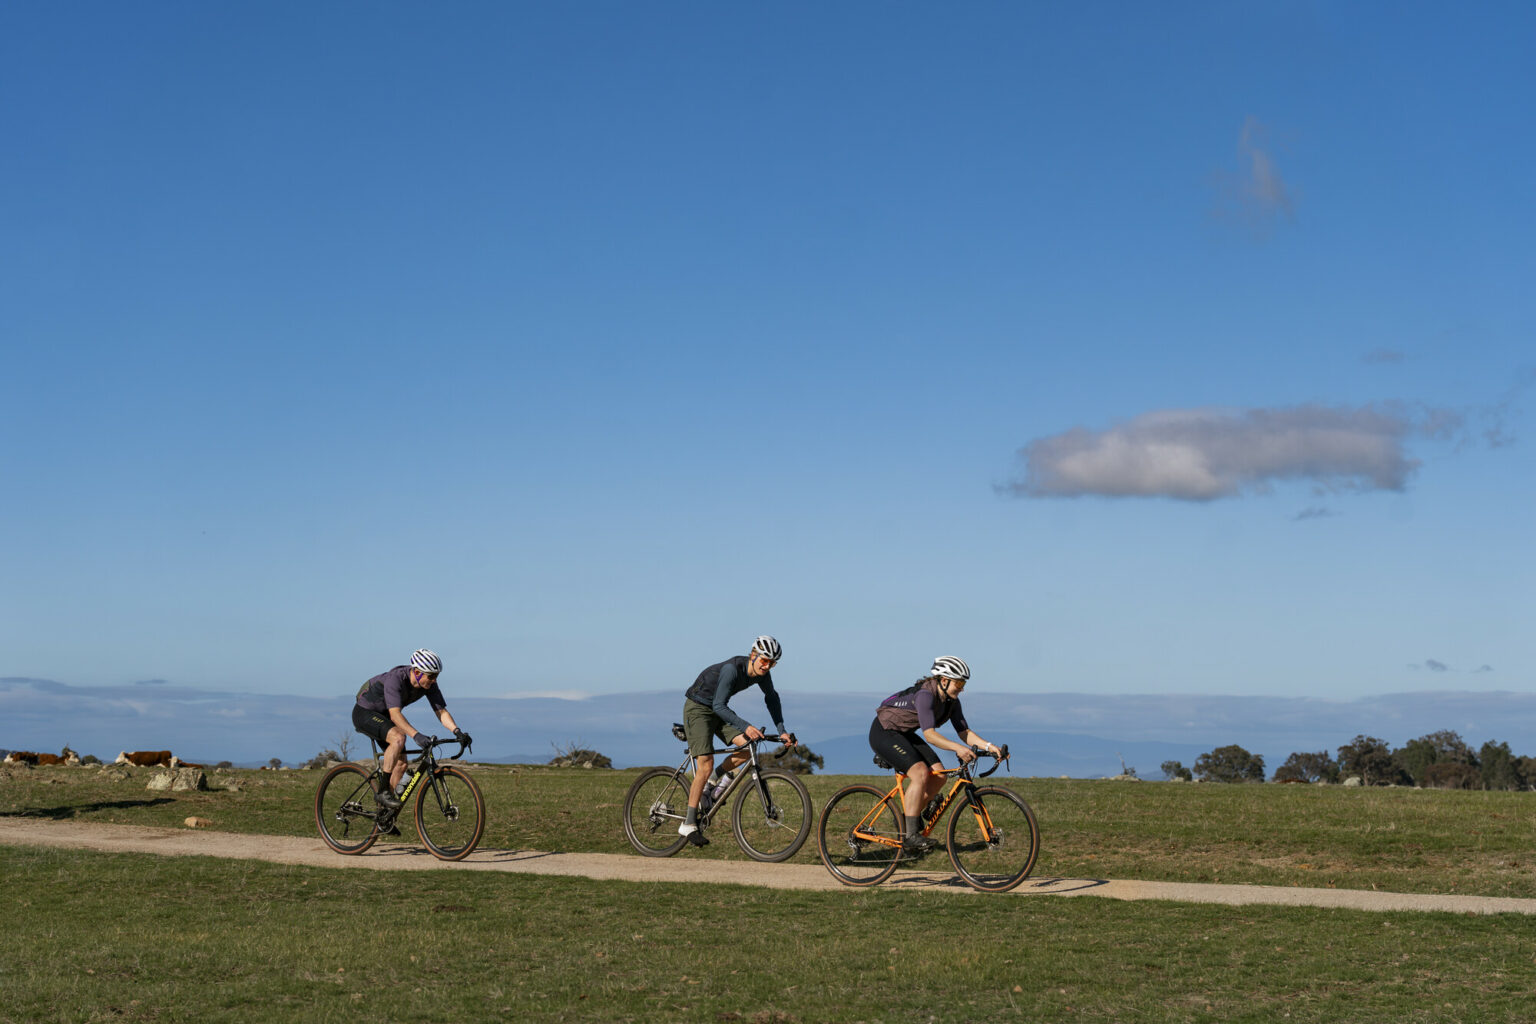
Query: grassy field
{"x": 116, "y": 937}
{"x": 1403, "y": 840}
{"x": 135, "y": 938}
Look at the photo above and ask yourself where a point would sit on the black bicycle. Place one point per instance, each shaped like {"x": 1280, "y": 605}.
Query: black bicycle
{"x": 770, "y": 815}
{"x": 450, "y": 812}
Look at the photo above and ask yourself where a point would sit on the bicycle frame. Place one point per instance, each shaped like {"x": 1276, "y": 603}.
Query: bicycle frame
{"x": 688, "y": 767}
{"x": 426, "y": 761}
{"x": 963, "y": 778}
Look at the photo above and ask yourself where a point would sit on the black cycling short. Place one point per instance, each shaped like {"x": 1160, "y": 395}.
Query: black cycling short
{"x": 372, "y": 723}
{"x": 901, "y": 749}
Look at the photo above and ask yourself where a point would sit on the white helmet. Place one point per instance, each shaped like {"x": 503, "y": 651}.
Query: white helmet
{"x": 425, "y": 661}
{"x": 768, "y": 647}
{"x": 950, "y": 668}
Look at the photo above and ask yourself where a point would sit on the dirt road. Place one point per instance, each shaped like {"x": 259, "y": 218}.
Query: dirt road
{"x": 683, "y": 868}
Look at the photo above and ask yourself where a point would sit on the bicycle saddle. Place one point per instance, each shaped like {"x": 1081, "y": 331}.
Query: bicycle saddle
{"x": 677, "y": 730}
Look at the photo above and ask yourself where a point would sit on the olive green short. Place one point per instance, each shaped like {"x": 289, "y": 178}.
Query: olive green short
{"x": 701, "y": 725}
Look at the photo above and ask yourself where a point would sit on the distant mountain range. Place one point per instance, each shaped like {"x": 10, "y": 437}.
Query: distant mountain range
{"x": 1050, "y": 734}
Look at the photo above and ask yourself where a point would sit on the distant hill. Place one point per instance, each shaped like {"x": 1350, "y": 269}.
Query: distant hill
{"x": 1081, "y": 735}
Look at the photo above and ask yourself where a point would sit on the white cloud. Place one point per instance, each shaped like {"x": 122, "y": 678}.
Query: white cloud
{"x": 1256, "y": 195}
{"x": 1206, "y": 454}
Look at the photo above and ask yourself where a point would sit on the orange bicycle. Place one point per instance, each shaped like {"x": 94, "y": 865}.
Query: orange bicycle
{"x": 993, "y": 838}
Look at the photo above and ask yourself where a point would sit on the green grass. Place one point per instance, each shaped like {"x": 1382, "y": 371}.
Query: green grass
{"x": 115, "y": 937}
{"x": 136, "y": 938}
{"x": 1403, "y": 840}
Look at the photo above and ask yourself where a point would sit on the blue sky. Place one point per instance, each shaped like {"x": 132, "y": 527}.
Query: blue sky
{"x": 1114, "y": 349}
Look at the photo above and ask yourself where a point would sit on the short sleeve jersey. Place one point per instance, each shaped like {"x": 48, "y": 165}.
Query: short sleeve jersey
{"x": 920, "y": 706}
{"x": 393, "y": 689}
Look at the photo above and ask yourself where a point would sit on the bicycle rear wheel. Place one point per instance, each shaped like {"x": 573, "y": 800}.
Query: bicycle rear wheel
{"x": 345, "y": 811}
{"x": 772, "y": 820}
{"x": 450, "y": 813}
{"x": 993, "y": 839}
{"x": 653, "y": 809}
{"x": 859, "y": 836}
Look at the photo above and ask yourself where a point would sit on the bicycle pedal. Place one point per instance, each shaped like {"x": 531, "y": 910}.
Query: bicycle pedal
{"x": 697, "y": 838}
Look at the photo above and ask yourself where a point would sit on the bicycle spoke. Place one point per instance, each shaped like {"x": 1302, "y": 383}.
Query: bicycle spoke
{"x": 772, "y": 819}
{"x": 345, "y": 810}
{"x": 859, "y": 836}
{"x": 653, "y": 809}
{"x": 450, "y": 813}
{"x": 993, "y": 839}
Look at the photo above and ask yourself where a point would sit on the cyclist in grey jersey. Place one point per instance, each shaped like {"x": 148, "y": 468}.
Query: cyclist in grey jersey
{"x": 706, "y": 715}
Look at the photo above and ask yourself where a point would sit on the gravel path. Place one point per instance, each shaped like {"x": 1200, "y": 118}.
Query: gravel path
{"x": 683, "y": 868}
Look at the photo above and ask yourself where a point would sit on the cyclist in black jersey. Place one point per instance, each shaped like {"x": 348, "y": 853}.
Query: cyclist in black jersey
{"x": 705, "y": 716}
{"x": 905, "y": 725}
{"x": 379, "y": 713}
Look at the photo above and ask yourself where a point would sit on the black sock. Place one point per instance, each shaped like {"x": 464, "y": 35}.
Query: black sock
{"x": 914, "y": 824}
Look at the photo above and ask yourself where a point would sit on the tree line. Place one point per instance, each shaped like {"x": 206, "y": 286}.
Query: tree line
{"x": 1438, "y": 760}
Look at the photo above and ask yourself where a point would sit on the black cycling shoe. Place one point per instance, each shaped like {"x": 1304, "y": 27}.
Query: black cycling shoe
{"x": 916, "y": 846}
{"x": 387, "y": 798}
{"x": 696, "y": 837}
{"x": 393, "y": 830}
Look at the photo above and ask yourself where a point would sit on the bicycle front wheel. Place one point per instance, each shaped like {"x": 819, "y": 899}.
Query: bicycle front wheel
{"x": 450, "y": 813}
{"x": 772, "y": 817}
{"x": 859, "y": 835}
{"x": 653, "y": 809}
{"x": 993, "y": 839}
{"x": 345, "y": 810}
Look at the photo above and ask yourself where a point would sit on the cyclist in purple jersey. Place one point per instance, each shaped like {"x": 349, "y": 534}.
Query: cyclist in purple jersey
{"x": 379, "y": 713}
{"x": 906, "y": 729}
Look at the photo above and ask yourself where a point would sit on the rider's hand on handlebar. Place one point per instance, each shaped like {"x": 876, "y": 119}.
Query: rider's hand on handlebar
{"x": 788, "y": 739}
{"x": 462, "y": 737}
{"x": 423, "y": 741}
{"x": 966, "y": 755}
{"x": 753, "y": 733}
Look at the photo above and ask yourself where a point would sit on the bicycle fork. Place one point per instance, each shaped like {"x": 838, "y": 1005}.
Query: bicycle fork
{"x": 990, "y": 833}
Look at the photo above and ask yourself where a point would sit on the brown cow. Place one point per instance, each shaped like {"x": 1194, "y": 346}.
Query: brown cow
{"x": 146, "y": 758}
{"x": 28, "y": 757}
